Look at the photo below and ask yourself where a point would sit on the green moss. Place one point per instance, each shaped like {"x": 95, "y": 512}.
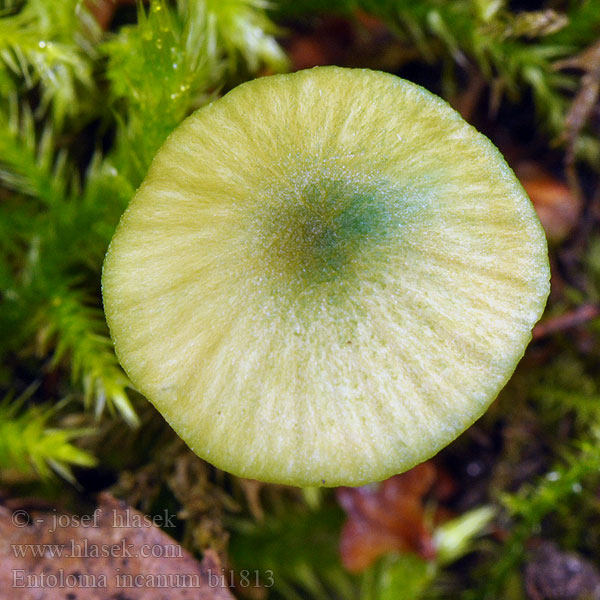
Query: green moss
{"x": 59, "y": 210}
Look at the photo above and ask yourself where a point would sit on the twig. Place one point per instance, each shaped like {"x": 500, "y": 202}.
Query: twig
{"x": 574, "y": 318}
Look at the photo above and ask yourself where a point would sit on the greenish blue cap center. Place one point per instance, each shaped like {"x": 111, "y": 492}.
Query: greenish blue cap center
{"x": 316, "y": 236}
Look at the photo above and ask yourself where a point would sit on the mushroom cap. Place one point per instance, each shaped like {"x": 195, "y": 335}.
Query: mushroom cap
{"x": 325, "y": 278}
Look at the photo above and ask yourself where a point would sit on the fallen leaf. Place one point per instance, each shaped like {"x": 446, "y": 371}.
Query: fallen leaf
{"x": 327, "y": 44}
{"x": 557, "y": 207}
{"x": 389, "y": 516}
{"x": 116, "y": 553}
{"x": 104, "y": 10}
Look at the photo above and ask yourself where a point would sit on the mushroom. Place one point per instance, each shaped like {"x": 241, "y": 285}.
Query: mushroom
{"x": 325, "y": 278}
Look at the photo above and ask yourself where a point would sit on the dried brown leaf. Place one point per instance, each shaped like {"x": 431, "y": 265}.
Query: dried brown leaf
{"x": 389, "y": 516}
{"x": 557, "y": 206}
{"x": 117, "y": 553}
